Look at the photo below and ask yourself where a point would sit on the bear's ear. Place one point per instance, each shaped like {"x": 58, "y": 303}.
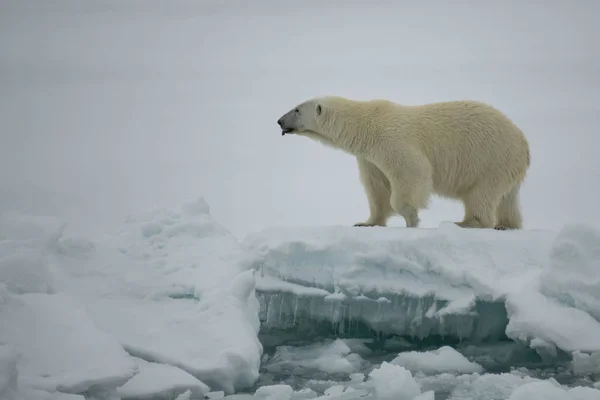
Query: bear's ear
{"x": 318, "y": 109}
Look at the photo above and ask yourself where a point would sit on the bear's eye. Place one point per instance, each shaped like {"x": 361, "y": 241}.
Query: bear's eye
{"x": 296, "y": 110}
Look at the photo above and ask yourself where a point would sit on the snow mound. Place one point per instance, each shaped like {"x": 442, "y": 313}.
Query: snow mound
{"x": 186, "y": 249}
{"x": 444, "y": 359}
{"x": 467, "y": 284}
{"x": 183, "y": 283}
{"x": 166, "y": 288}
{"x": 212, "y": 339}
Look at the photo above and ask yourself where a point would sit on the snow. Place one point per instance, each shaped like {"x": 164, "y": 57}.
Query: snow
{"x": 469, "y": 284}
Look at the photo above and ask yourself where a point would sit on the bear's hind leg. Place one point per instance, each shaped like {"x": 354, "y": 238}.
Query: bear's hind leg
{"x": 480, "y": 208}
{"x": 508, "y": 214}
{"x": 377, "y": 189}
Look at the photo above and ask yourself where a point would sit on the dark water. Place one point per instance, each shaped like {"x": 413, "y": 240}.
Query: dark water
{"x": 291, "y": 364}
{"x": 294, "y": 334}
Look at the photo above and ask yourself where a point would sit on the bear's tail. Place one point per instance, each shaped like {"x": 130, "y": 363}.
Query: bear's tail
{"x": 508, "y": 214}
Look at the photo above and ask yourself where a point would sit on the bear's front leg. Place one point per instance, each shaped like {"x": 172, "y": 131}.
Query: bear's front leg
{"x": 410, "y": 180}
{"x": 377, "y": 189}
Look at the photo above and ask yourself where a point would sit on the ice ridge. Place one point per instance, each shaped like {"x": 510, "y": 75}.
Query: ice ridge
{"x": 447, "y": 284}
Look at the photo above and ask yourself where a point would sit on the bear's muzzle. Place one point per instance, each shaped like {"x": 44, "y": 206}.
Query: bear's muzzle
{"x": 284, "y": 129}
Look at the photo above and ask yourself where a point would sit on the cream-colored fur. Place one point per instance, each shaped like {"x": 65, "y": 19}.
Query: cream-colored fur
{"x": 461, "y": 150}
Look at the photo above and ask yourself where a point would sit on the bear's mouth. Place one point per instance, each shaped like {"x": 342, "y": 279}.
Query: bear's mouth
{"x": 287, "y": 130}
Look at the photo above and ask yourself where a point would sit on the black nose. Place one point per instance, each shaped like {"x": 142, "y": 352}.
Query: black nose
{"x": 280, "y": 121}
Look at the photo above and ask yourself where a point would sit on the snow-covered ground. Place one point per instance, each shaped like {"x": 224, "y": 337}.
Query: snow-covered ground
{"x": 109, "y": 107}
{"x": 173, "y": 305}
{"x": 165, "y": 289}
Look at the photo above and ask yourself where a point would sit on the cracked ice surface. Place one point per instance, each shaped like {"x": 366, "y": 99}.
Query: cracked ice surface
{"x": 468, "y": 284}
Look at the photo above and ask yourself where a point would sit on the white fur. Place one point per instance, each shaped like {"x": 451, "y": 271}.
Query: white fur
{"x": 462, "y": 150}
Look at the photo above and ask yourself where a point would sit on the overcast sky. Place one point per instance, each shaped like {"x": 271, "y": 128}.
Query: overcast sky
{"x": 110, "y": 107}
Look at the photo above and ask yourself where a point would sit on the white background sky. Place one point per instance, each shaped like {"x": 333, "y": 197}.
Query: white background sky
{"x": 110, "y": 107}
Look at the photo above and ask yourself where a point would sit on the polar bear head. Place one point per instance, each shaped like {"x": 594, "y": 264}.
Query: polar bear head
{"x": 324, "y": 119}
{"x": 302, "y": 119}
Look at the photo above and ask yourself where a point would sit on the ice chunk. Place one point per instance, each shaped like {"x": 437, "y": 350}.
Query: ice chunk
{"x": 449, "y": 282}
{"x": 160, "y": 381}
{"x": 476, "y": 386}
{"x": 444, "y": 359}
{"x": 551, "y": 390}
{"x": 538, "y": 391}
{"x": 331, "y": 357}
{"x": 452, "y": 264}
{"x": 274, "y": 392}
{"x": 392, "y": 382}
{"x": 304, "y": 394}
{"x": 546, "y": 350}
{"x": 214, "y": 340}
{"x": 61, "y": 347}
{"x": 585, "y": 364}
{"x": 532, "y": 315}
{"x": 571, "y": 276}
{"x": 174, "y": 272}
{"x": 181, "y": 252}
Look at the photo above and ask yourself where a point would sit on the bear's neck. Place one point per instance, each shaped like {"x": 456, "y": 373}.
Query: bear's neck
{"x": 350, "y": 132}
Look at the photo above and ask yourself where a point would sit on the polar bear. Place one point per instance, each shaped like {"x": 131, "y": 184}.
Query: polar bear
{"x": 463, "y": 150}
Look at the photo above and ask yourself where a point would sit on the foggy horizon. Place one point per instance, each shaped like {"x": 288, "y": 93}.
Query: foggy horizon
{"x": 110, "y": 108}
